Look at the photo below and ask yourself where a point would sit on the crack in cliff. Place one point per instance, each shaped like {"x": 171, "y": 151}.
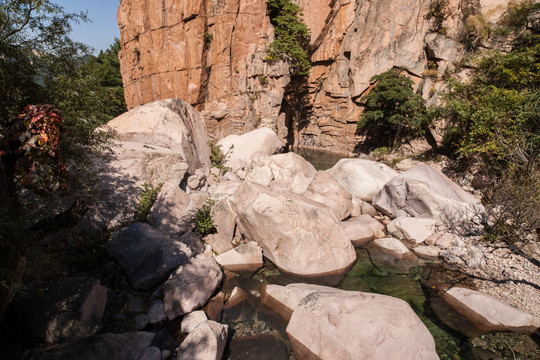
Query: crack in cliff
{"x": 231, "y": 45}
{"x": 327, "y": 26}
{"x": 206, "y": 70}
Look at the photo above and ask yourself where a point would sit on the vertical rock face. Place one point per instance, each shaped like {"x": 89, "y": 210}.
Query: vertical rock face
{"x": 212, "y": 53}
{"x": 208, "y": 52}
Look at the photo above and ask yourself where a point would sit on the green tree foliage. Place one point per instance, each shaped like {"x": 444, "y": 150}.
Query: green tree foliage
{"x": 292, "y": 36}
{"x": 393, "y": 110}
{"x": 40, "y": 64}
{"x": 497, "y": 114}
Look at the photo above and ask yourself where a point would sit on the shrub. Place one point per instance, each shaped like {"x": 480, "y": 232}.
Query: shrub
{"x": 146, "y": 200}
{"x": 517, "y": 13}
{"x": 437, "y": 14}
{"x": 393, "y": 110}
{"x": 218, "y": 158}
{"x": 202, "y": 218}
{"x": 497, "y": 114}
{"x": 292, "y": 36}
{"x": 513, "y": 205}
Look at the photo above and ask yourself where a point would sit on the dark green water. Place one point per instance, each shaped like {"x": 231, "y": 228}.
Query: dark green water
{"x": 321, "y": 160}
{"x": 364, "y": 276}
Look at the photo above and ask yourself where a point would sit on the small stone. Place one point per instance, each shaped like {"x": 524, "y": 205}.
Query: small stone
{"x": 152, "y": 353}
{"x": 427, "y": 252}
{"x": 135, "y": 303}
{"x": 165, "y": 354}
{"x": 156, "y": 314}
{"x": 444, "y": 241}
{"x": 141, "y": 321}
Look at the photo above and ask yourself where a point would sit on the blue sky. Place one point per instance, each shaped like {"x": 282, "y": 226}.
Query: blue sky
{"x": 99, "y": 33}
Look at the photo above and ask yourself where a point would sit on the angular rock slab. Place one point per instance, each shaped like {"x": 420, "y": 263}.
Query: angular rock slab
{"x": 301, "y": 237}
{"x": 361, "y": 229}
{"x": 328, "y": 323}
{"x": 147, "y": 255}
{"x": 326, "y": 190}
{"x": 63, "y": 310}
{"x": 206, "y": 342}
{"x": 415, "y": 229}
{"x": 362, "y": 178}
{"x": 426, "y": 192}
{"x": 389, "y": 254}
{"x": 126, "y": 346}
{"x": 191, "y": 286}
{"x": 245, "y": 146}
{"x": 244, "y": 259}
{"x": 473, "y": 313}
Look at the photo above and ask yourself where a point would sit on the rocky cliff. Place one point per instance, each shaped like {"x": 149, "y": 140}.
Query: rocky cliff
{"x": 212, "y": 53}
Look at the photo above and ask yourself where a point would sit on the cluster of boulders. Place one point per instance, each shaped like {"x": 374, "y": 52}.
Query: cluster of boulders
{"x": 276, "y": 206}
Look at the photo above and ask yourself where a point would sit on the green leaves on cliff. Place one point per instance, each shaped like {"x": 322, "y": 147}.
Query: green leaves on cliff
{"x": 292, "y": 36}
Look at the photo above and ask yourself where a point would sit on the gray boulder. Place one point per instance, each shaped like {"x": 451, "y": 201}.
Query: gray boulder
{"x": 127, "y": 346}
{"x": 425, "y": 192}
{"x": 147, "y": 255}
{"x": 191, "y": 286}
{"x": 63, "y": 310}
{"x": 171, "y": 209}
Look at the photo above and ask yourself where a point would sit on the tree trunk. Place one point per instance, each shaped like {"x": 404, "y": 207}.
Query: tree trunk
{"x": 8, "y": 189}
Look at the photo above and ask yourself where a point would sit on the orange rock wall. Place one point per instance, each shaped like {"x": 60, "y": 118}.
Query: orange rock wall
{"x": 212, "y": 53}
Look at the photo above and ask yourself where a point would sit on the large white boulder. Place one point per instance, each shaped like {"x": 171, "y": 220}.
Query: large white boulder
{"x": 242, "y": 148}
{"x": 326, "y": 190}
{"x": 328, "y": 323}
{"x": 292, "y": 172}
{"x": 159, "y": 142}
{"x": 425, "y": 192}
{"x": 285, "y": 299}
{"x": 362, "y": 178}
{"x": 302, "y": 237}
{"x": 473, "y": 313}
{"x": 172, "y": 124}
